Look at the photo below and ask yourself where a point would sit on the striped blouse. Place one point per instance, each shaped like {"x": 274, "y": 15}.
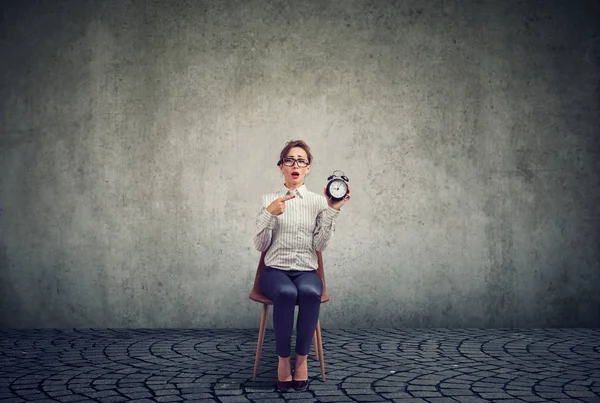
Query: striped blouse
{"x": 293, "y": 237}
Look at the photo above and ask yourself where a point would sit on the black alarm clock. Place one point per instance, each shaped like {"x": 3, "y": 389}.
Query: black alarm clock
{"x": 337, "y": 187}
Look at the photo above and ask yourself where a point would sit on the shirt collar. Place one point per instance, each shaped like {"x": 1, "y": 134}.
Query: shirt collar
{"x": 301, "y": 191}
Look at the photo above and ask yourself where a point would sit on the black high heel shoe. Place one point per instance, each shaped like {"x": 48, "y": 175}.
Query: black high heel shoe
{"x": 300, "y": 386}
{"x": 284, "y": 386}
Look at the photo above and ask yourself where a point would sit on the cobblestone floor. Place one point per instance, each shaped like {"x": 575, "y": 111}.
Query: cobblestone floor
{"x": 429, "y": 365}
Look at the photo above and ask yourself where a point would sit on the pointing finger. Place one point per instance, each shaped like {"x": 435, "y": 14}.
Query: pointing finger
{"x": 286, "y": 198}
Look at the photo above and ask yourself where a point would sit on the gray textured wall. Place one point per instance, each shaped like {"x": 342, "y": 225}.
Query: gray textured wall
{"x": 137, "y": 136}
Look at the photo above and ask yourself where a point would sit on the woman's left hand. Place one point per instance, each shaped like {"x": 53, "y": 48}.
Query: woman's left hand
{"x": 337, "y": 204}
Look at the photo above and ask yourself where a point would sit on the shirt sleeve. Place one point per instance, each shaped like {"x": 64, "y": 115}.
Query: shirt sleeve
{"x": 325, "y": 227}
{"x": 265, "y": 222}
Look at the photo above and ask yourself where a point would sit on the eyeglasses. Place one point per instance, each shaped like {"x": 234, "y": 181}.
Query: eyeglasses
{"x": 289, "y": 162}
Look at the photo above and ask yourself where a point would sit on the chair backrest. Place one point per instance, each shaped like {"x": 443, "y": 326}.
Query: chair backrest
{"x": 257, "y": 295}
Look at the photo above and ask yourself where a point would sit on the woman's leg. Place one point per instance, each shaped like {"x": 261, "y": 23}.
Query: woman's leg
{"x": 310, "y": 288}
{"x": 276, "y": 285}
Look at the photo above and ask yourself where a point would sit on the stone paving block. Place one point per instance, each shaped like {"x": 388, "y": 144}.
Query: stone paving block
{"x": 572, "y": 388}
{"x": 456, "y": 392}
{"x": 469, "y": 399}
{"x": 269, "y": 388}
{"x": 520, "y": 392}
{"x": 353, "y": 385}
{"x": 532, "y": 399}
{"x": 455, "y": 385}
{"x": 468, "y": 378}
{"x": 327, "y": 392}
{"x": 195, "y": 396}
{"x": 82, "y": 390}
{"x": 102, "y": 388}
{"x": 105, "y": 381}
{"x": 371, "y": 375}
{"x": 165, "y": 391}
{"x": 425, "y": 382}
{"x": 421, "y": 388}
{"x": 21, "y": 386}
{"x": 126, "y": 390}
{"x": 339, "y": 398}
{"x": 393, "y": 383}
{"x": 485, "y": 389}
{"x": 71, "y": 398}
{"x": 368, "y": 398}
{"x": 276, "y": 400}
{"x": 357, "y": 391}
{"x": 28, "y": 390}
{"x": 60, "y": 392}
{"x": 442, "y": 400}
{"x": 233, "y": 399}
{"x": 553, "y": 396}
{"x": 99, "y": 394}
{"x": 34, "y": 397}
{"x": 298, "y": 395}
{"x": 262, "y": 395}
{"x": 229, "y": 392}
{"x": 131, "y": 385}
{"x": 358, "y": 379}
{"x": 396, "y": 395}
{"x": 138, "y": 395}
{"x": 495, "y": 395}
{"x": 197, "y": 389}
{"x": 580, "y": 393}
{"x": 168, "y": 398}
{"x": 113, "y": 399}
{"x": 425, "y": 394}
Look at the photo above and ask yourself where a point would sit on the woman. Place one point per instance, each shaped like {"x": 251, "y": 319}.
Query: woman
{"x": 293, "y": 223}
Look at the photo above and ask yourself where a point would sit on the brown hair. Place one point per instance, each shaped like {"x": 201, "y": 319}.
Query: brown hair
{"x": 295, "y": 143}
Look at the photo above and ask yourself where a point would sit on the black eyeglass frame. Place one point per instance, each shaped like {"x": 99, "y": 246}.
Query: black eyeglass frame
{"x": 295, "y": 162}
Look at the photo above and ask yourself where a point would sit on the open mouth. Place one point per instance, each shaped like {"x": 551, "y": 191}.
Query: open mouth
{"x": 295, "y": 175}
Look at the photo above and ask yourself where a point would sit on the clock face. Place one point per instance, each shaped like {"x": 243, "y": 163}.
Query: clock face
{"x": 338, "y": 189}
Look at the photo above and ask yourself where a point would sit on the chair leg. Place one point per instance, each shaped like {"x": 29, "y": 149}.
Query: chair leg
{"x": 261, "y": 338}
{"x": 316, "y": 345}
{"x": 320, "y": 343}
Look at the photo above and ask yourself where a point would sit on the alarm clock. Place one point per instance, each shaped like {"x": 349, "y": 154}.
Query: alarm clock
{"x": 337, "y": 187}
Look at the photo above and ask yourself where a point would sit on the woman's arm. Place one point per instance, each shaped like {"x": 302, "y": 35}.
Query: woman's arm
{"x": 324, "y": 228}
{"x": 265, "y": 222}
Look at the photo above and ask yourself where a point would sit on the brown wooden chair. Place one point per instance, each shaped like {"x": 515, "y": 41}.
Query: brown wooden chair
{"x": 258, "y": 296}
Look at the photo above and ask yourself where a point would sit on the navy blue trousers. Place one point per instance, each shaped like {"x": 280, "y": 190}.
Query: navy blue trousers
{"x": 285, "y": 288}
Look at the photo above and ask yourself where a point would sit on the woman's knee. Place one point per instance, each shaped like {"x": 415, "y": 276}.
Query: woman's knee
{"x": 310, "y": 292}
{"x": 286, "y": 294}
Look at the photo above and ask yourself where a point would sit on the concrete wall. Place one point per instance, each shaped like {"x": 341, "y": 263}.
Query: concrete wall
{"x": 137, "y": 137}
